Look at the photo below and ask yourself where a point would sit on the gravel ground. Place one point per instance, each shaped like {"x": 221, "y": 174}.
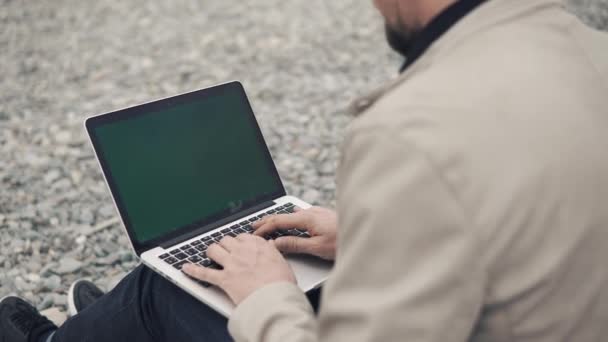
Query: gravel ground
{"x": 302, "y": 62}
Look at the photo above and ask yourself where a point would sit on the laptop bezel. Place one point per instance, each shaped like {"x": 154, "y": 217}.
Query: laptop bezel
{"x": 188, "y": 230}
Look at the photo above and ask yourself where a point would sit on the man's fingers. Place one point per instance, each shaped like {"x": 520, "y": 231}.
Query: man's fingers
{"x": 218, "y": 254}
{"x": 292, "y": 244}
{"x": 202, "y": 273}
{"x": 281, "y": 221}
{"x": 229, "y": 243}
{"x": 244, "y": 237}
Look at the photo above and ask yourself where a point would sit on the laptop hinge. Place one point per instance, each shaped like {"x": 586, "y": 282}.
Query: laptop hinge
{"x": 215, "y": 224}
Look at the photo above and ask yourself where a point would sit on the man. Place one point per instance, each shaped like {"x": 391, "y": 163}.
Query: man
{"x": 472, "y": 199}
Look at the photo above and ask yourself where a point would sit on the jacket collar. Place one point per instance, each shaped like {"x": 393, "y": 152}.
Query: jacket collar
{"x": 437, "y": 27}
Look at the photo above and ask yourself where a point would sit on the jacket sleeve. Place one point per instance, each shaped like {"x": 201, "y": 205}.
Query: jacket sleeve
{"x": 407, "y": 267}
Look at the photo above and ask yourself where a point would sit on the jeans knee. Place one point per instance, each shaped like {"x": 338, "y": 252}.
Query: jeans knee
{"x": 154, "y": 287}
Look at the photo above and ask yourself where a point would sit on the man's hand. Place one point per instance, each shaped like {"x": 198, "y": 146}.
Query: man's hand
{"x": 249, "y": 263}
{"x": 321, "y": 224}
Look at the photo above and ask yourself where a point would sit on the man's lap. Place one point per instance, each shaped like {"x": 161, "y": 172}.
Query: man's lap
{"x": 145, "y": 306}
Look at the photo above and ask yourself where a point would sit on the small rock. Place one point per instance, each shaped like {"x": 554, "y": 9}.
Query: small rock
{"x": 48, "y": 270}
{"x": 68, "y": 265}
{"x": 87, "y": 217}
{"x": 76, "y": 176}
{"x": 52, "y": 283}
{"x": 63, "y": 137}
{"x": 23, "y": 285}
{"x": 62, "y": 184}
{"x": 126, "y": 256}
{"x": 105, "y": 211}
{"x": 33, "y": 278}
{"x": 26, "y": 225}
{"x": 327, "y": 168}
{"x": 51, "y": 176}
{"x": 59, "y": 299}
{"x": 108, "y": 260}
{"x": 311, "y": 196}
{"x": 81, "y": 239}
{"x": 47, "y": 302}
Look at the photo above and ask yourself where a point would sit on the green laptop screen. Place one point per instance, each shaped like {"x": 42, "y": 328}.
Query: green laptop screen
{"x": 183, "y": 164}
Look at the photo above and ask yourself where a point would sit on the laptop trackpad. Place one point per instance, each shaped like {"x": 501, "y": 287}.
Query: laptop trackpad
{"x": 310, "y": 271}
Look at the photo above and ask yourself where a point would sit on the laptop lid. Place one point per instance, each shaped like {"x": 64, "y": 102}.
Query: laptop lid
{"x": 177, "y": 167}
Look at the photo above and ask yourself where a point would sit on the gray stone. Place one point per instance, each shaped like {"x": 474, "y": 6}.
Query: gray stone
{"x": 87, "y": 217}
{"x": 107, "y": 210}
{"x": 22, "y": 285}
{"x": 59, "y": 299}
{"x": 51, "y": 283}
{"x": 68, "y": 265}
{"x": 108, "y": 260}
{"x": 126, "y": 256}
{"x": 63, "y": 137}
{"x": 26, "y": 225}
{"x": 48, "y": 270}
{"x": 51, "y": 176}
{"x": 311, "y": 196}
{"x": 47, "y": 301}
{"x": 62, "y": 184}
{"x": 33, "y": 278}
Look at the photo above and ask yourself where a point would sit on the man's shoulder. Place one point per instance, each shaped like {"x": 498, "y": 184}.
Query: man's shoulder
{"x": 513, "y": 76}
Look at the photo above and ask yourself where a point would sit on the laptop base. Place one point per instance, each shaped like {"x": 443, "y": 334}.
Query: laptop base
{"x": 310, "y": 272}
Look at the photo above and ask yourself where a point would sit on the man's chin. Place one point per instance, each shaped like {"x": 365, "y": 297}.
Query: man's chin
{"x": 399, "y": 40}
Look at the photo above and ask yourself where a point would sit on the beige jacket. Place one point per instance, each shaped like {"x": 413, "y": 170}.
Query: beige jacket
{"x": 472, "y": 195}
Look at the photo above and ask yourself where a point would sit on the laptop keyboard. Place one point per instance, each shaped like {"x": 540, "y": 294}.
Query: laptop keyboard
{"x": 195, "y": 252}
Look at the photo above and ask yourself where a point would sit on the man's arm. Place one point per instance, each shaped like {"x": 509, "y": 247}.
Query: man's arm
{"x": 407, "y": 266}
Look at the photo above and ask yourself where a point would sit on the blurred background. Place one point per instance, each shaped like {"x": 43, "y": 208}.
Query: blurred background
{"x": 302, "y": 63}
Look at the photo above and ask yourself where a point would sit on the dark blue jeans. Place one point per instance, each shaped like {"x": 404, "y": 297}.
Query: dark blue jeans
{"x": 146, "y": 307}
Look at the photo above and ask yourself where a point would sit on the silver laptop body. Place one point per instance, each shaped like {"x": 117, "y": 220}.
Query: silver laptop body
{"x": 146, "y": 153}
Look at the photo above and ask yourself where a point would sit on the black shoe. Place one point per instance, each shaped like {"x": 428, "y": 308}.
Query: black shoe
{"x": 82, "y": 293}
{"x": 21, "y": 322}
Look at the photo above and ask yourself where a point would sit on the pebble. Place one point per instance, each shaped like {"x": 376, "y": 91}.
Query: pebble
{"x": 87, "y": 217}
{"x": 51, "y": 176}
{"x": 301, "y": 80}
{"x": 311, "y": 196}
{"x": 51, "y": 283}
{"x": 81, "y": 239}
{"x": 48, "y": 269}
{"x": 22, "y": 285}
{"x": 126, "y": 256}
{"x": 33, "y": 278}
{"x": 47, "y": 301}
{"x": 63, "y": 137}
{"x": 68, "y": 265}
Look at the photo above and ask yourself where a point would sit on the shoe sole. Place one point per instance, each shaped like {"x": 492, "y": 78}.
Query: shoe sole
{"x": 72, "y": 311}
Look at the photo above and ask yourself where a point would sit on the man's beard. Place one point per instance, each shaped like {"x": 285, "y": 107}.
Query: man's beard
{"x": 400, "y": 40}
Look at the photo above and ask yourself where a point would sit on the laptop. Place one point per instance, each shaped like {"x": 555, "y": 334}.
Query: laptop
{"x": 185, "y": 171}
